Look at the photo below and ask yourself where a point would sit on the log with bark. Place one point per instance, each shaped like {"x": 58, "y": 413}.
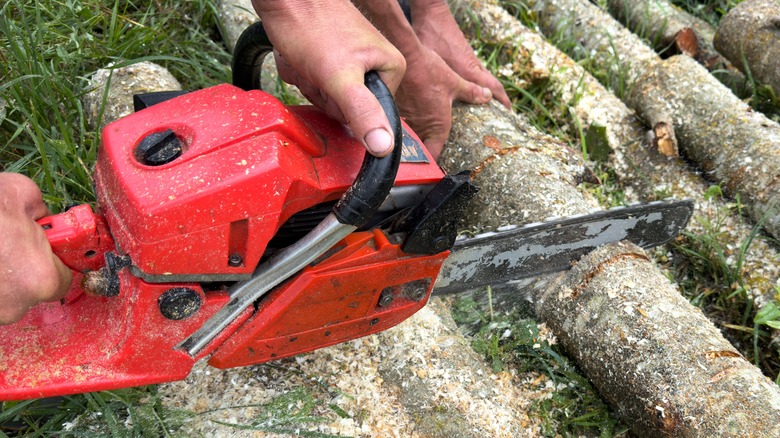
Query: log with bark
{"x": 749, "y": 36}
{"x": 732, "y": 144}
{"x": 667, "y": 27}
{"x": 644, "y": 173}
{"x": 637, "y": 338}
{"x": 631, "y": 332}
{"x": 590, "y": 33}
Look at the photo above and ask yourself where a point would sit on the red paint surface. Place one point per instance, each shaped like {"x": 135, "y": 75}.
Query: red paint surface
{"x": 249, "y": 163}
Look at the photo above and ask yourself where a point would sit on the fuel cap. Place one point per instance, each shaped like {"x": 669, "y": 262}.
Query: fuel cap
{"x": 158, "y": 148}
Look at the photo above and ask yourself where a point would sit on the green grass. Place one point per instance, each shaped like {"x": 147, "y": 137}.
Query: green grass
{"x": 131, "y": 412}
{"x": 711, "y": 276}
{"x": 509, "y": 340}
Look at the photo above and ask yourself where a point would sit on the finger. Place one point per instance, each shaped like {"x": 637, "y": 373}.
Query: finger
{"x": 365, "y": 117}
{"x": 473, "y": 93}
{"x": 436, "y": 136}
{"x": 480, "y": 75}
{"x": 64, "y": 278}
{"x": 28, "y": 195}
{"x": 499, "y": 93}
{"x": 435, "y": 145}
{"x": 51, "y": 278}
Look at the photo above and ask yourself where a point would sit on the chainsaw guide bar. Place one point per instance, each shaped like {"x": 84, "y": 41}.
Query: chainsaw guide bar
{"x": 540, "y": 248}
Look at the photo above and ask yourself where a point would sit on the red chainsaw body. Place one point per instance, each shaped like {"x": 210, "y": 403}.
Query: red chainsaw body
{"x": 248, "y": 164}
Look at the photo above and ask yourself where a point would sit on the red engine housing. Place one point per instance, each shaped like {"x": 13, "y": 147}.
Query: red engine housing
{"x": 247, "y": 165}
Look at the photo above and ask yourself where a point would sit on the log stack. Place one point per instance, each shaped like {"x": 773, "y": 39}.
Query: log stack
{"x": 661, "y": 364}
{"x": 672, "y": 31}
{"x": 733, "y": 145}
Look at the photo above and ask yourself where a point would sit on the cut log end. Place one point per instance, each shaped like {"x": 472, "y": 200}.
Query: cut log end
{"x": 662, "y": 139}
{"x": 687, "y": 42}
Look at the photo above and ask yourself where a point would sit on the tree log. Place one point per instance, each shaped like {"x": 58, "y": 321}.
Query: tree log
{"x": 641, "y": 403}
{"x": 750, "y": 34}
{"x": 632, "y": 333}
{"x": 733, "y": 144}
{"x": 612, "y": 48}
{"x": 667, "y": 26}
{"x": 118, "y": 86}
{"x": 579, "y": 100}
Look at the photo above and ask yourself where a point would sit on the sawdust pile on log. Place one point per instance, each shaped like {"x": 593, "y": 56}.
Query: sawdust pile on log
{"x": 644, "y": 173}
{"x": 655, "y": 385}
{"x": 670, "y": 29}
{"x": 418, "y": 379}
{"x": 750, "y": 34}
{"x": 732, "y": 144}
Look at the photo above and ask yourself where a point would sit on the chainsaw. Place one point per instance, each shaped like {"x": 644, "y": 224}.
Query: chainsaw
{"x": 234, "y": 228}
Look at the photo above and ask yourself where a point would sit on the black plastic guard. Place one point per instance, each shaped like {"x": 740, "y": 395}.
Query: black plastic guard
{"x": 433, "y": 225}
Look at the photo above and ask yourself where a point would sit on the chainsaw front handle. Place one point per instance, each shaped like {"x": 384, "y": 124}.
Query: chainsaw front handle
{"x": 377, "y": 175}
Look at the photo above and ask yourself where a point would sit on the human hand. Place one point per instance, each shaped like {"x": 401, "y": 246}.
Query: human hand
{"x": 325, "y": 48}
{"x": 426, "y": 95}
{"x": 437, "y": 29}
{"x": 29, "y": 271}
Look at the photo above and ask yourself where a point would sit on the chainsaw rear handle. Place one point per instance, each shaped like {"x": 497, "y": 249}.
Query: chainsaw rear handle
{"x": 377, "y": 175}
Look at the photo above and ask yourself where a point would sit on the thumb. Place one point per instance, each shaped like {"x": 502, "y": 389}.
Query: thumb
{"x": 64, "y": 278}
{"x": 365, "y": 117}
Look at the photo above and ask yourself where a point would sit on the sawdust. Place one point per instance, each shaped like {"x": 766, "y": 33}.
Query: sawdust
{"x": 355, "y": 377}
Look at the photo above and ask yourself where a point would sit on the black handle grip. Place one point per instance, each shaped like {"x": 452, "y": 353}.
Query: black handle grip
{"x": 248, "y": 55}
{"x": 376, "y": 175}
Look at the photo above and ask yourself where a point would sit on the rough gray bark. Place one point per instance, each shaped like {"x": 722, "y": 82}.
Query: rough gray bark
{"x": 644, "y": 173}
{"x": 523, "y": 174}
{"x": 578, "y": 98}
{"x": 659, "y": 355}
{"x": 667, "y": 26}
{"x": 445, "y": 386}
{"x": 632, "y": 333}
{"x": 733, "y": 144}
{"x": 750, "y": 34}
{"x": 234, "y": 16}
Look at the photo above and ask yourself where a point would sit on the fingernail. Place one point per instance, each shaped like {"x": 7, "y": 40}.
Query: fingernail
{"x": 378, "y": 141}
{"x": 486, "y": 92}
